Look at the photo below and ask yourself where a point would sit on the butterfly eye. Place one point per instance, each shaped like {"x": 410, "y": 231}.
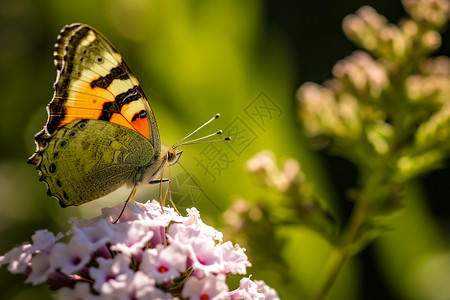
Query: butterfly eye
{"x": 175, "y": 156}
{"x": 170, "y": 155}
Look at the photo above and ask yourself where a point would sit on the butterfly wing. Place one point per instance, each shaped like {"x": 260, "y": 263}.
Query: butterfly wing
{"x": 94, "y": 82}
{"x": 88, "y": 159}
{"x": 101, "y": 131}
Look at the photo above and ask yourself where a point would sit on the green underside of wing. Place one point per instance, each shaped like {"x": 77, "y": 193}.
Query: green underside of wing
{"x": 88, "y": 159}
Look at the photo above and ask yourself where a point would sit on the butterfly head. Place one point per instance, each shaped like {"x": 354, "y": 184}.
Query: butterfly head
{"x": 173, "y": 156}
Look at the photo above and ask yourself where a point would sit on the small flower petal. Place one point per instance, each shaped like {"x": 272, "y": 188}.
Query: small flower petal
{"x": 44, "y": 240}
{"x": 109, "y": 269}
{"x": 164, "y": 263}
{"x": 250, "y": 290}
{"x": 210, "y": 287}
{"x": 131, "y": 238}
{"x": 234, "y": 258}
{"x": 71, "y": 257}
{"x": 81, "y": 291}
{"x": 18, "y": 259}
{"x": 96, "y": 235}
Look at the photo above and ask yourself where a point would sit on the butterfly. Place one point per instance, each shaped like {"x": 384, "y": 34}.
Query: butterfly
{"x": 101, "y": 132}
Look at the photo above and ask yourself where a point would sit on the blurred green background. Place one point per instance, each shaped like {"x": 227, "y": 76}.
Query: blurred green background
{"x": 193, "y": 59}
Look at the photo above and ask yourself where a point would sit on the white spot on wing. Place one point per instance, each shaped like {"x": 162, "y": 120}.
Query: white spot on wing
{"x": 90, "y": 37}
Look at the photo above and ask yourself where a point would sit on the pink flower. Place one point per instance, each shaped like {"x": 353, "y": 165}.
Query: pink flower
{"x": 234, "y": 258}
{"x": 205, "y": 257}
{"x": 131, "y": 238}
{"x": 164, "y": 264}
{"x": 71, "y": 257}
{"x": 81, "y": 291}
{"x": 148, "y": 254}
{"x": 18, "y": 259}
{"x": 250, "y": 290}
{"x": 210, "y": 287}
{"x": 110, "y": 269}
{"x": 97, "y": 234}
{"x": 268, "y": 292}
{"x": 41, "y": 268}
{"x": 143, "y": 286}
{"x": 131, "y": 213}
{"x": 197, "y": 223}
{"x": 43, "y": 240}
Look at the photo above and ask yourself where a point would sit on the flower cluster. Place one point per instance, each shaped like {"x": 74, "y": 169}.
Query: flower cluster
{"x": 290, "y": 198}
{"x": 149, "y": 254}
{"x": 264, "y": 167}
{"x": 389, "y": 102}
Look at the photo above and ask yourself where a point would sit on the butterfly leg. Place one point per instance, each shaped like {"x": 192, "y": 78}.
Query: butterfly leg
{"x": 170, "y": 194}
{"x": 130, "y": 200}
{"x": 160, "y": 189}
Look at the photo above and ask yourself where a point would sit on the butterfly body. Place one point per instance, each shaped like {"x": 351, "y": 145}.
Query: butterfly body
{"x": 101, "y": 132}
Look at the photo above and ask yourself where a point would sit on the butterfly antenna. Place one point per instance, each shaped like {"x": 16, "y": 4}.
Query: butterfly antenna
{"x": 199, "y": 140}
{"x": 206, "y": 123}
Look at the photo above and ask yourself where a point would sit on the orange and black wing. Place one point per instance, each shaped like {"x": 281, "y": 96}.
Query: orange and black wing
{"x": 94, "y": 82}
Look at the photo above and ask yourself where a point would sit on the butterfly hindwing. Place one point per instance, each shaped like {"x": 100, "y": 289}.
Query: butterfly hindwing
{"x": 94, "y": 82}
{"x": 88, "y": 159}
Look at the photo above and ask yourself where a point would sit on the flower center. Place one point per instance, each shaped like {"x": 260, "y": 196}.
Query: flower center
{"x": 163, "y": 269}
{"x": 204, "y": 297}
{"x": 76, "y": 260}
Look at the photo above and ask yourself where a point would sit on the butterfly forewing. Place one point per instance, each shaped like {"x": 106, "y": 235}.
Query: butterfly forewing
{"x": 94, "y": 82}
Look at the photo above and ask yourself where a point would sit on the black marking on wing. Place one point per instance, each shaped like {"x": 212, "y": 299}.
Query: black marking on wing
{"x": 131, "y": 95}
{"x": 110, "y": 108}
{"x": 142, "y": 114}
{"x": 119, "y": 72}
{"x": 57, "y": 111}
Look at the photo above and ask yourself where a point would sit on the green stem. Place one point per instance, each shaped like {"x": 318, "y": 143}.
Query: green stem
{"x": 335, "y": 264}
{"x": 340, "y": 255}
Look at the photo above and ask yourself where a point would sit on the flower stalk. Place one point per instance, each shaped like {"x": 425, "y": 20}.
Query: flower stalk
{"x": 386, "y": 110}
